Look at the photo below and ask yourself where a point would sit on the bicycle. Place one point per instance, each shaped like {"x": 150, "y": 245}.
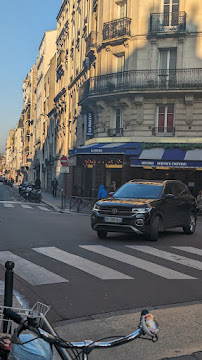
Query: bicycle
{"x": 43, "y": 342}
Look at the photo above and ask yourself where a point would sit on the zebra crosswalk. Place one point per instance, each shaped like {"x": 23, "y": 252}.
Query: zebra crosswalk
{"x": 108, "y": 264}
{"x": 7, "y": 204}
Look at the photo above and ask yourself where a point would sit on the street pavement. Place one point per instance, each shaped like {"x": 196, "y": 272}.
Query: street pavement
{"x": 94, "y": 287}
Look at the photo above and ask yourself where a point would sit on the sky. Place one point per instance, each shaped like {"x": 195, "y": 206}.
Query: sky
{"x": 22, "y": 26}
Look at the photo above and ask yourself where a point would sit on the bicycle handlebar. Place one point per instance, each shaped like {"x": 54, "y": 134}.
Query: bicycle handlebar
{"x": 87, "y": 345}
{"x": 12, "y": 315}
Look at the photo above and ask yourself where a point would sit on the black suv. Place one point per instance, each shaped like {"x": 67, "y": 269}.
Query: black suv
{"x": 146, "y": 207}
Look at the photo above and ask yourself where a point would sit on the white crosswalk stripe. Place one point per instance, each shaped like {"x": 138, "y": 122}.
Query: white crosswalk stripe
{"x": 26, "y": 207}
{"x": 182, "y": 260}
{"x": 90, "y": 267}
{"x": 137, "y": 262}
{"x": 189, "y": 249}
{"x": 43, "y": 208}
{"x": 13, "y": 204}
{"x": 39, "y": 275}
{"x": 30, "y": 272}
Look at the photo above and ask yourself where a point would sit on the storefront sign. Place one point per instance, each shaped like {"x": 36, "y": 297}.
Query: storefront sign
{"x": 90, "y": 124}
{"x": 162, "y": 163}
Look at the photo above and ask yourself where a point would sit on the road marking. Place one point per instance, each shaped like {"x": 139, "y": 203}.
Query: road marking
{"x": 8, "y": 205}
{"x": 26, "y": 206}
{"x": 43, "y": 208}
{"x": 32, "y": 273}
{"x": 189, "y": 249}
{"x": 182, "y": 260}
{"x": 137, "y": 262}
{"x": 88, "y": 266}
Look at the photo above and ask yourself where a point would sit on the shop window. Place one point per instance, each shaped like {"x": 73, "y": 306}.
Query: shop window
{"x": 165, "y": 119}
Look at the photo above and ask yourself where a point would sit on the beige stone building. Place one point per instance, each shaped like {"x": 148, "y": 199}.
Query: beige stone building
{"x": 10, "y": 146}
{"x": 50, "y": 124}
{"x": 18, "y": 149}
{"x": 135, "y": 81}
{"x": 47, "y": 50}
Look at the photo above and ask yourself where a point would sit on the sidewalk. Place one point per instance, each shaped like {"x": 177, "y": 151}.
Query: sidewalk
{"x": 56, "y": 203}
{"x": 179, "y": 338}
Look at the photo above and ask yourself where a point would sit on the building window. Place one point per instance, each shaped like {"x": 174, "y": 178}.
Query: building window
{"x": 165, "y": 119}
{"x": 118, "y": 119}
{"x": 171, "y": 12}
{"x": 122, "y": 10}
{"x": 118, "y": 124}
{"x": 167, "y": 66}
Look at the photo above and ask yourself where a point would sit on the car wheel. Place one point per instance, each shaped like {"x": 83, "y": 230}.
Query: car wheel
{"x": 102, "y": 234}
{"x": 153, "y": 234}
{"x": 191, "y": 225}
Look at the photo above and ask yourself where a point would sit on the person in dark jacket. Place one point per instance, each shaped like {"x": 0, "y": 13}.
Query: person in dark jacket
{"x": 113, "y": 186}
{"x": 54, "y": 186}
{"x": 37, "y": 183}
{"x": 102, "y": 194}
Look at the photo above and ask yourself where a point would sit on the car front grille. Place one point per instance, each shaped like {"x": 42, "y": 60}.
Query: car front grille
{"x": 121, "y": 210}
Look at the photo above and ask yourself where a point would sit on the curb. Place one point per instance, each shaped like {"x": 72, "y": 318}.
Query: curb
{"x": 124, "y": 312}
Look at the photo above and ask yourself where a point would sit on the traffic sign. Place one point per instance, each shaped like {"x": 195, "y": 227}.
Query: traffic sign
{"x": 64, "y": 170}
{"x": 64, "y": 161}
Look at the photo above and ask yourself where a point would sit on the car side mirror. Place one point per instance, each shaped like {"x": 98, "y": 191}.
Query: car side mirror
{"x": 111, "y": 193}
{"x": 169, "y": 196}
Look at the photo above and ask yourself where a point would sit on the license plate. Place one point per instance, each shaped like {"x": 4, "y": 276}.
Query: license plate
{"x": 110, "y": 219}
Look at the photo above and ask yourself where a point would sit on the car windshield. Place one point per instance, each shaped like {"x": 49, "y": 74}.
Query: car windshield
{"x": 139, "y": 191}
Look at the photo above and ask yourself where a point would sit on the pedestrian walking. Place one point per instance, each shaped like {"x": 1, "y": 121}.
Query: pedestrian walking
{"x": 54, "y": 186}
{"x": 37, "y": 183}
{"x": 113, "y": 186}
{"x": 102, "y": 193}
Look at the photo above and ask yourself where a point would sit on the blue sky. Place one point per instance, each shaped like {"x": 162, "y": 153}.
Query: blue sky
{"x": 22, "y": 25}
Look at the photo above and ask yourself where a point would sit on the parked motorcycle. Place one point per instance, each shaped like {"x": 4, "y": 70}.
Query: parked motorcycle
{"x": 35, "y": 195}
{"x": 22, "y": 187}
{"x": 30, "y": 193}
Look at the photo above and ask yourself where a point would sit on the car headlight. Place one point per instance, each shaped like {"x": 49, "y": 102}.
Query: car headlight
{"x": 140, "y": 210}
{"x": 96, "y": 207}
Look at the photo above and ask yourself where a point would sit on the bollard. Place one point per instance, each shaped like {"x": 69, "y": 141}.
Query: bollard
{"x": 62, "y": 198}
{"x": 8, "y": 290}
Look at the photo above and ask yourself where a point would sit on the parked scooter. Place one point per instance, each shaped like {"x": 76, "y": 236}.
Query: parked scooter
{"x": 35, "y": 195}
{"x": 22, "y": 187}
{"x": 30, "y": 193}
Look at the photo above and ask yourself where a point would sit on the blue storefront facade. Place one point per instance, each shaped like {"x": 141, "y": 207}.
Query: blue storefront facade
{"x": 103, "y": 162}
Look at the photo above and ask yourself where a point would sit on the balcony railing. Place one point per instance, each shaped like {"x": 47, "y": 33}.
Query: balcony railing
{"x": 91, "y": 41}
{"x": 116, "y": 28}
{"x": 60, "y": 58}
{"x": 163, "y": 131}
{"x": 143, "y": 80}
{"x": 115, "y": 132}
{"x": 168, "y": 22}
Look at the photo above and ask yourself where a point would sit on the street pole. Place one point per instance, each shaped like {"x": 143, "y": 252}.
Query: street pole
{"x": 8, "y": 290}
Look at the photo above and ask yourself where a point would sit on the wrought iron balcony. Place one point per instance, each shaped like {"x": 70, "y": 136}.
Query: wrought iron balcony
{"x": 60, "y": 58}
{"x": 115, "y": 132}
{"x": 91, "y": 41}
{"x": 163, "y": 131}
{"x": 116, "y": 28}
{"x": 136, "y": 80}
{"x": 168, "y": 22}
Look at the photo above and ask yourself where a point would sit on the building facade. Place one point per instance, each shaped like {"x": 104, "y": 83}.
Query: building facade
{"x": 47, "y": 50}
{"x": 140, "y": 105}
